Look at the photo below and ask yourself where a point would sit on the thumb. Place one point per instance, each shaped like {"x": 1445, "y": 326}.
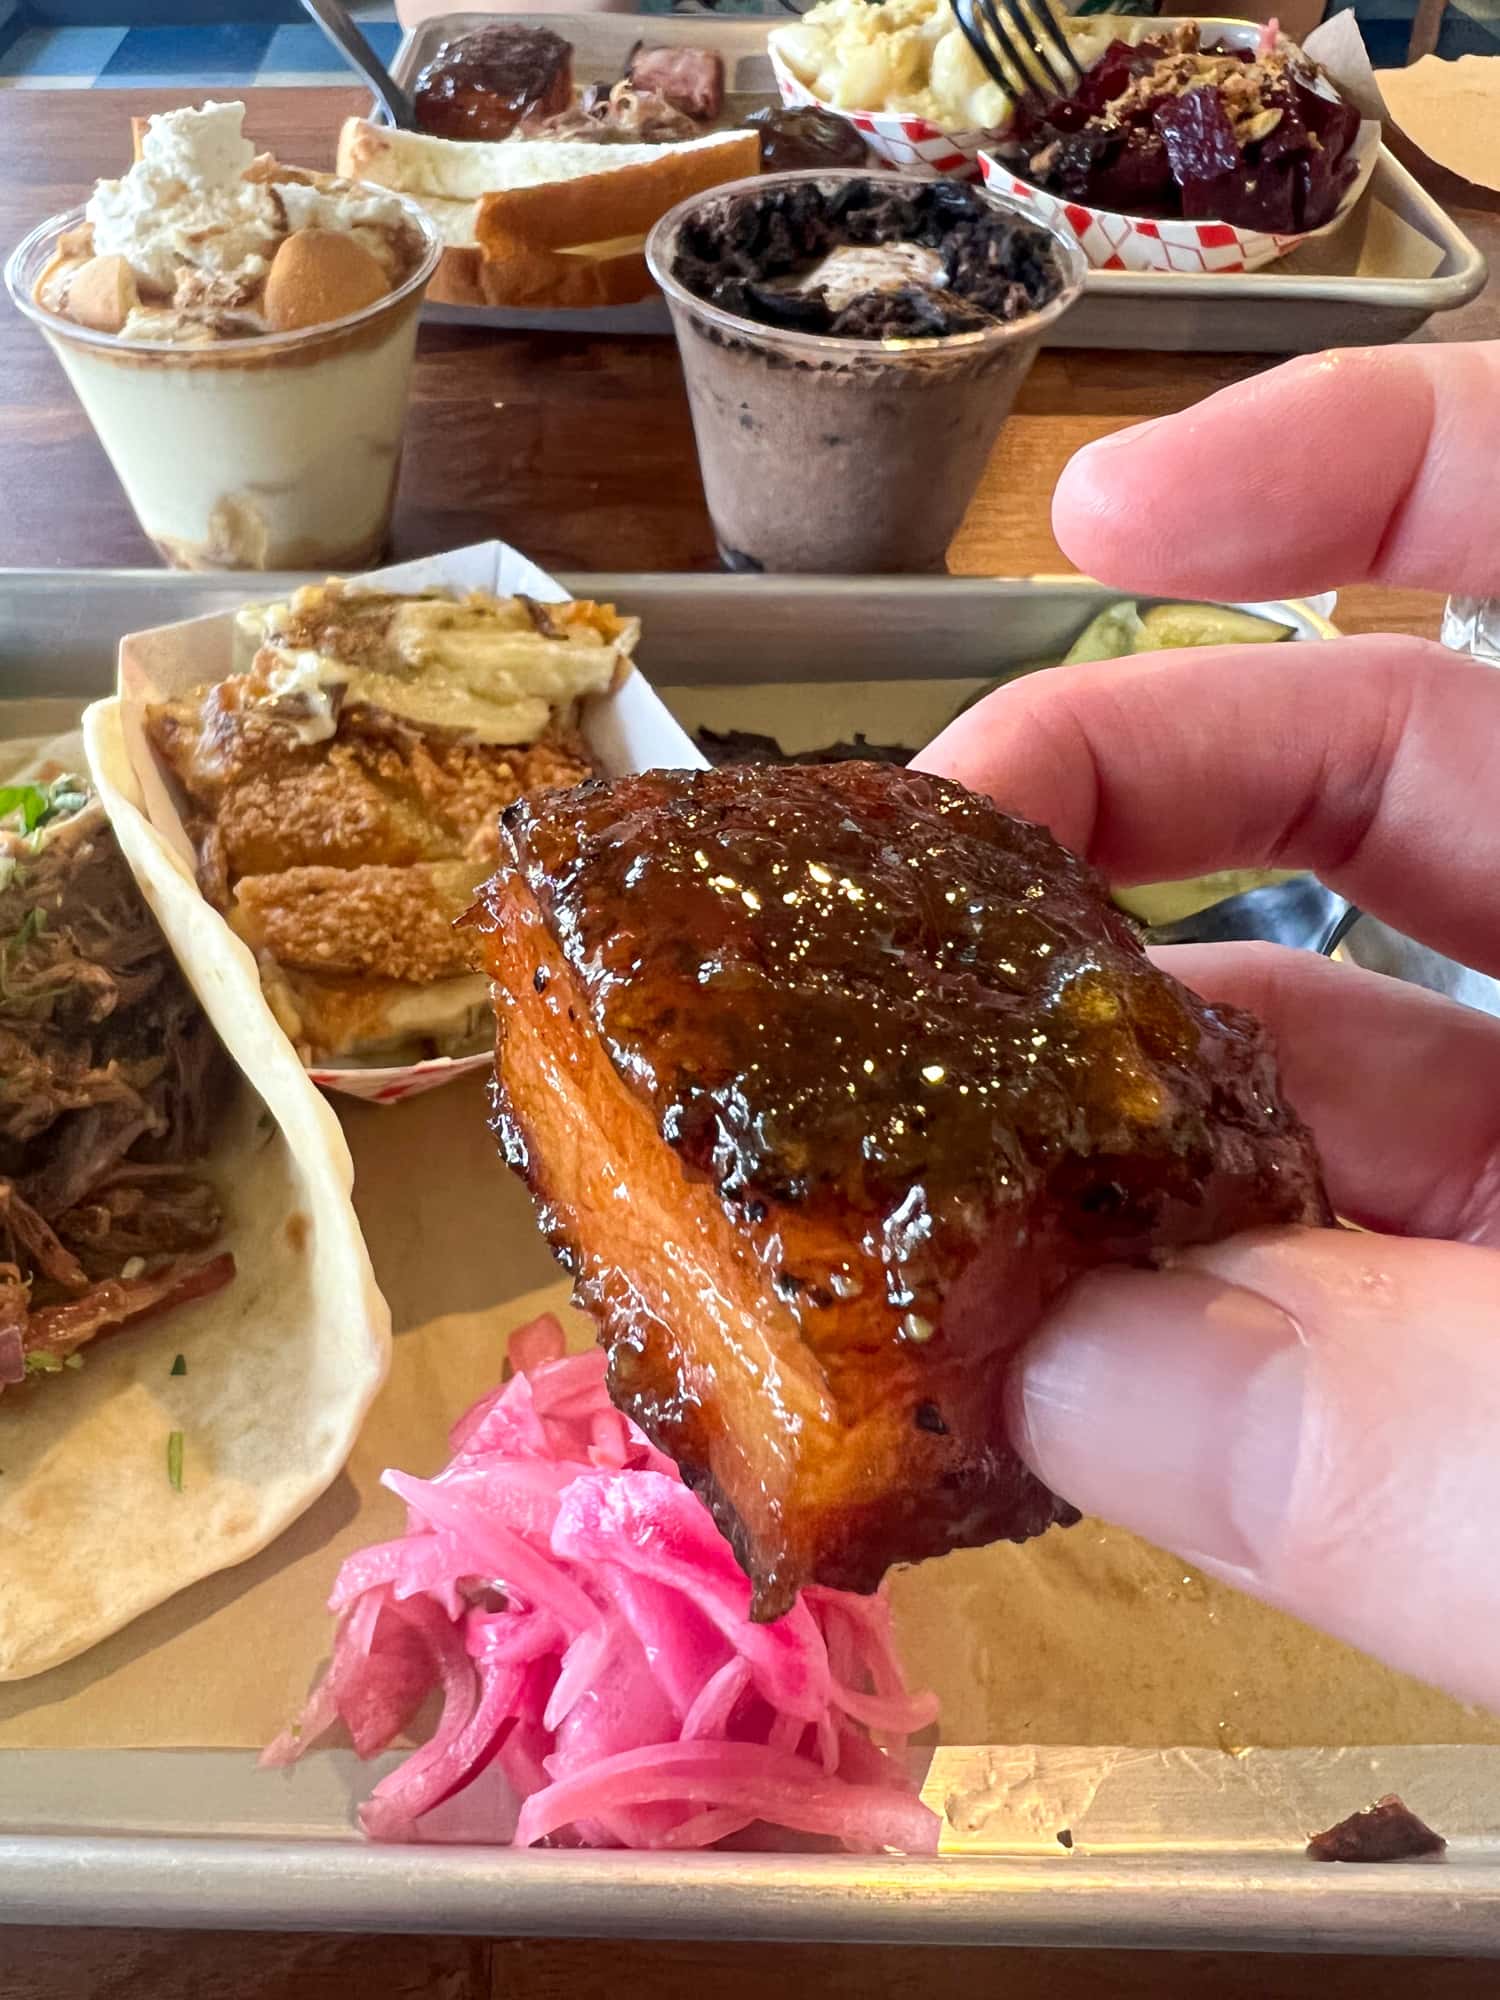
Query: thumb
{"x": 1313, "y": 1415}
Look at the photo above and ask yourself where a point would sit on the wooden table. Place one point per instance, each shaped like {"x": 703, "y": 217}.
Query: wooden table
{"x": 578, "y": 451}
{"x": 581, "y": 453}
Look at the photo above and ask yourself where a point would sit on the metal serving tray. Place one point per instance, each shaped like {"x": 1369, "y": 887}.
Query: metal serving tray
{"x": 1171, "y": 1846}
{"x": 1273, "y": 311}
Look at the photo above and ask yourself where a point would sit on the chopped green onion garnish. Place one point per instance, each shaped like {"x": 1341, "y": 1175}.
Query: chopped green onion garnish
{"x": 44, "y": 1363}
{"x": 174, "y": 1460}
{"x": 72, "y": 1361}
{"x": 179, "y": 1366}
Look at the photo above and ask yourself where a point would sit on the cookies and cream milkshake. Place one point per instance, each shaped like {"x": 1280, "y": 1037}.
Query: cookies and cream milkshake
{"x": 240, "y": 334}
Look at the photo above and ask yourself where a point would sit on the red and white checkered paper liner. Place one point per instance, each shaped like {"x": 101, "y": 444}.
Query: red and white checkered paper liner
{"x": 914, "y": 145}
{"x": 1111, "y": 242}
{"x": 1167, "y": 243}
{"x": 389, "y": 1086}
{"x": 627, "y": 730}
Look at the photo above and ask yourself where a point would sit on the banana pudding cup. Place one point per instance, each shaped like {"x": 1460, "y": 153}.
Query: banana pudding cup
{"x": 240, "y": 334}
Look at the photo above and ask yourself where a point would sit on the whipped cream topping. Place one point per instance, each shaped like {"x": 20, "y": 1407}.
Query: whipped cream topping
{"x": 855, "y": 269}
{"x": 186, "y": 211}
{"x": 186, "y": 202}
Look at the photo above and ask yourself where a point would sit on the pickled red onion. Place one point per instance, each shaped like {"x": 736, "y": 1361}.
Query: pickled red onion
{"x": 589, "y": 1631}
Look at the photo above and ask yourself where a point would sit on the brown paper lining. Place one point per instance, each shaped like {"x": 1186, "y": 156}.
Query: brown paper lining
{"x": 1448, "y": 113}
{"x": 1085, "y": 1637}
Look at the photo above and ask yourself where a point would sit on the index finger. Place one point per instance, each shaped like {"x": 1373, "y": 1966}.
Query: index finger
{"x": 1373, "y": 463}
{"x": 1374, "y": 762}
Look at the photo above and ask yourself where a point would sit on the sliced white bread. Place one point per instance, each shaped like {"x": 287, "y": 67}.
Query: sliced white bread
{"x": 541, "y": 222}
{"x": 454, "y": 219}
{"x": 608, "y": 197}
{"x": 463, "y": 169}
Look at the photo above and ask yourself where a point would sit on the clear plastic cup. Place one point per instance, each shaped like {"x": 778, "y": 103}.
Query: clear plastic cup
{"x": 838, "y": 455}
{"x": 274, "y": 451}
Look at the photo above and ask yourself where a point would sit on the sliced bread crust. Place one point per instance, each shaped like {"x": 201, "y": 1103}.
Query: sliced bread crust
{"x": 542, "y": 223}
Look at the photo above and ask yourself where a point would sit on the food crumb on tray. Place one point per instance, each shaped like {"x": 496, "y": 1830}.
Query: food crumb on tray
{"x": 1386, "y": 1831}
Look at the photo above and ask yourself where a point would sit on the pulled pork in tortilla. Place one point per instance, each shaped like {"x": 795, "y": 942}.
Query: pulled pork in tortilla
{"x": 110, "y": 1079}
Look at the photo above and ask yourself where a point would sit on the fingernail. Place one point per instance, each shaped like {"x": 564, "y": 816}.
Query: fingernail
{"x": 1170, "y": 1403}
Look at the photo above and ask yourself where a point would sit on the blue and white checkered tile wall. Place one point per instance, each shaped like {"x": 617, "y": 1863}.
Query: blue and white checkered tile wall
{"x": 225, "y": 52}
{"x": 216, "y": 50}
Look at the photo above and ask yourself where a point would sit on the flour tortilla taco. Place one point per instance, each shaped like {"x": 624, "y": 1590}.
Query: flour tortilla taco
{"x": 190, "y": 1330}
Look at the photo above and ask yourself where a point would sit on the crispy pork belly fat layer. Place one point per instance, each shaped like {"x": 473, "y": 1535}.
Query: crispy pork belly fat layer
{"x": 825, "y": 1081}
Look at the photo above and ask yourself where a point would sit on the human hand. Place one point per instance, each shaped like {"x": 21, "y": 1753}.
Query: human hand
{"x": 1312, "y": 1415}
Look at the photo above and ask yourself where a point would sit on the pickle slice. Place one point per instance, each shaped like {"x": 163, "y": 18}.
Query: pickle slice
{"x": 1121, "y": 629}
{"x": 1169, "y": 902}
{"x": 1113, "y": 634}
{"x": 1171, "y": 625}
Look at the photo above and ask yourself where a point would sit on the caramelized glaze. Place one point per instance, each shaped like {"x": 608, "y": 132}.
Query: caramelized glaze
{"x": 899, "y": 1070}
{"x": 484, "y": 84}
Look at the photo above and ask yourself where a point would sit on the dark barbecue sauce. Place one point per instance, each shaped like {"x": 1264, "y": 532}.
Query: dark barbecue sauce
{"x": 483, "y": 85}
{"x": 869, "y": 988}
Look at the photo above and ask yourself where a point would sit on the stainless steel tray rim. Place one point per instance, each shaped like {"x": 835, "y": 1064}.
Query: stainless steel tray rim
{"x": 59, "y": 629}
{"x": 221, "y": 1844}
{"x": 1454, "y": 288}
{"x": 343, "y": 1886}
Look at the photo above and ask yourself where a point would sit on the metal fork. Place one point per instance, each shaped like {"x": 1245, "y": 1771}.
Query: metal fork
{"x": 1300, "y": 912}
{"x": 1023, "y": 44}
{"x": 343, "y": 31}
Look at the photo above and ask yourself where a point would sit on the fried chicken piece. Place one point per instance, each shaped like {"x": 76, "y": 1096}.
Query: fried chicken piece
{"x": 396, "y": 923}
{"x": 363, "y": 963}
{"x": 826, "y": 1081}
{"x": 375, "y": 737}
{"x": 259, "y": 801}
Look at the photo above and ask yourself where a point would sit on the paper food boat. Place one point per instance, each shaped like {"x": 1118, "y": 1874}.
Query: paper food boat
{"x": 914, "y": 145}
{"x": 628, "y": 729}
{"x": 917, "y": 146}
{"x": 1114, "y": 242}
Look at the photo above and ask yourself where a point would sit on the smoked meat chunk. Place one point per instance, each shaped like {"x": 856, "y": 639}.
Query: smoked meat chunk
{"x": 826, "y": 1080}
